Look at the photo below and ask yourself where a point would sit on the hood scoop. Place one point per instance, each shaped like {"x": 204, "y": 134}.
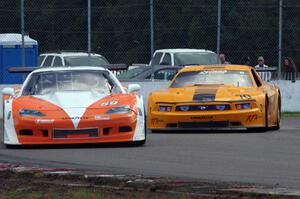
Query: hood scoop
{"x": 205, "y": 95}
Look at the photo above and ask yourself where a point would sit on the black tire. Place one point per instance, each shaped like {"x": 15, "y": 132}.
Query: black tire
{"x": 277, "y": 127}
{"x": 10, "y": 146}
{"x": 139, "y": 143}
{"x": 266, "y": 114}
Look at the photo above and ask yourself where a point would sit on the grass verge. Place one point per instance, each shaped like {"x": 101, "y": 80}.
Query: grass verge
{"x": 291, "y": 114}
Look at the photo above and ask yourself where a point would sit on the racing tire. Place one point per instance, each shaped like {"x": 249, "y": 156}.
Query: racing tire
{"x": 266, "y": 114}
{"x": 139, "y": 143}
{"x": 11, "y": 146}
{"x": 277, "y": 127}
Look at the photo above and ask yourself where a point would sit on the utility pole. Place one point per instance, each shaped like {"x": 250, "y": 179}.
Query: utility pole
{"x": 280, "y": 39}
{"x": 151, "y": 27}
{"x": 219, "y": 27}
{"x": 23, "y": 33}
{"x": 89, "y": 26}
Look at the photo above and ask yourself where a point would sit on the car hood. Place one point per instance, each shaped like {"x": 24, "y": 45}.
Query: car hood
{"x": 205, "y": 93}
{"x": 73, "y": 105}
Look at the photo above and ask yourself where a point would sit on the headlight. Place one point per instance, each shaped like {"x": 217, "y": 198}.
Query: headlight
{"x": 30, "y": 112}
{"x": 243, "y": 106}
{"x": 221, "y": 107}
{"x": 119, "y": 110}
{"x": 165, "y": 108}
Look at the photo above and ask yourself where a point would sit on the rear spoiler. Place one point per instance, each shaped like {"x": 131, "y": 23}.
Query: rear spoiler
{"x": 29, "y": 69}
{"x": 266, "y": 69}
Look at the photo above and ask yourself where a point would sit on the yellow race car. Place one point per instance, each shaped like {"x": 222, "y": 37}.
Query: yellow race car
{"x": 215, "y": 97}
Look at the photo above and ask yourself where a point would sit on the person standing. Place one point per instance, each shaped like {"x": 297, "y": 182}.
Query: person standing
{"x": 222, "y": 58}
{"x": 266, "y": 75}
{"x": 289, "y": 69}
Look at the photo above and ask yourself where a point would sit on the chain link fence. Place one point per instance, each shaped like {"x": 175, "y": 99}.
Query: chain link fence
{"x": 121, "y": 31}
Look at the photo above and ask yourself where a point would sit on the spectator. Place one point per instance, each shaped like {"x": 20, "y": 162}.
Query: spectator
{"x": 246, "y": 61}
{"x": 265, "y": 76}
{"x": 289, "y": 69}
{"x": 223, "y": 59}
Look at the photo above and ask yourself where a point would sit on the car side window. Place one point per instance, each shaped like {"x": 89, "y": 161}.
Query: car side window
{"x": 57, "y": 61}
{"x": 156, "y": 59}
{"x": 41, "y": 59}
{"x": 166, "y": 60}
{"x": 165, "y": 74}
{"x": 48, "y": 61}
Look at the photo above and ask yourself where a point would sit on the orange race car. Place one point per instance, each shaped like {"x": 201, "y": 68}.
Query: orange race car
{"x": 73, "y": 105}
{"x": 215, "y": 97}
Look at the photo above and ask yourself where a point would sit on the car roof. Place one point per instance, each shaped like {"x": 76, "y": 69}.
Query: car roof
{"x": 70, "y": 54}
{"x": 177, "y": 50}
{"x": 215, "y": 67}
{"x": 73, "y": 68}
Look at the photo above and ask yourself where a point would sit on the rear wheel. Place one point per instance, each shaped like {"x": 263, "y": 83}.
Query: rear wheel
{"x": 277, "y": 127}
{"x": 266, "y": 114}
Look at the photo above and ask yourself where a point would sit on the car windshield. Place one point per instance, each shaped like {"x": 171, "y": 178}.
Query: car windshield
{"x": 205, "y": 77}
{"x": 195, "y": 58}
{"x": 43, "y": 83}
{"x": 132, "y": 73}
{"x": 85, "y": 61}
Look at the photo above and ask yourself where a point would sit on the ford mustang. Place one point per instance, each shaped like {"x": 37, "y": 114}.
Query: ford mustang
{"x": 73, "y": 105}
{"x": 215, "y": 97}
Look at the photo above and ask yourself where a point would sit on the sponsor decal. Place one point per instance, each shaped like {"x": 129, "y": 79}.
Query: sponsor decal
{"x": 251, "y": 118}
{"x": 75, "y": 118}
{"x": 102, "y": 117}
{"x": 44, "y": 121}
{"x": 201, "y": 117}
{"x": 213, "y": 72}
{"x": 156, "y": 120}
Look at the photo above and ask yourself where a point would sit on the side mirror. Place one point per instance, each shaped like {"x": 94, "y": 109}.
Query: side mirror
{"x": 8, "y": 91}
{"x": 133, "y": 88}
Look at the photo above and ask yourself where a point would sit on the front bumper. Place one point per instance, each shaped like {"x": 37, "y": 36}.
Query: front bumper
{"x": 206, "y": 120}
{"x": 118, "y": 128}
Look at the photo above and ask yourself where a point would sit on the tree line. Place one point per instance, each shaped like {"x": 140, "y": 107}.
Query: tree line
{"x": 121, "y": 29}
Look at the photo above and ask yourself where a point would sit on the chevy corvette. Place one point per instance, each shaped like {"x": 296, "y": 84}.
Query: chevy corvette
{"x": 215, "y": 97}
{"x": 73, "y": 105}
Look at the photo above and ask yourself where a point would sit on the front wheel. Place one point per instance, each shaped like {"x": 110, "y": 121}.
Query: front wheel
{"x": 139, "y": 143}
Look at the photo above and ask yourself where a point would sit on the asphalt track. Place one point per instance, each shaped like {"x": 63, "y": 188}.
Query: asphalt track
{"x": 266, "y": 158}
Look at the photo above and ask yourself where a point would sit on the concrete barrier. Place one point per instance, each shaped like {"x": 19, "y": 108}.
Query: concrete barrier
{"x": 290, "y": 92}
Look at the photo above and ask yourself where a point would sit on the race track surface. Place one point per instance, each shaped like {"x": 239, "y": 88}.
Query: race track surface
{"x": 270, "y": 158}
